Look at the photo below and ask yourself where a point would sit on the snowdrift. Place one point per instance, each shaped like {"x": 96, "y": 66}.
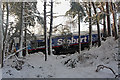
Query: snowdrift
{"x": 67, "y": 66}
{"x": 107, "y": 53}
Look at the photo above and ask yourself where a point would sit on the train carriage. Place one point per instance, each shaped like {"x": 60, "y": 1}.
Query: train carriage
{"x": 62, "y": 44}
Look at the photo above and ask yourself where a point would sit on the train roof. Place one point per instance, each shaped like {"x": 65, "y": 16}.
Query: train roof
{"x": 71, "y": 34}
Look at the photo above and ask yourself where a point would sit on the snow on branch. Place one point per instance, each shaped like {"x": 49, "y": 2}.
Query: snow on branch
{"x": 14, "y": 53}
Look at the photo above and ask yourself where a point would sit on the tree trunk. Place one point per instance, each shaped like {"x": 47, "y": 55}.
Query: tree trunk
{"x": 115, "y": 31}
{"x": 6, "y": 30}
{"x": 79, "y": 43}
{"x": 45, "y": 32}
{"x": 21, "y": 30}
{"x": 90, "y": 27}
{"x": 51, "y": 25}
{"x": 108, "y": 19}
{"x": 1, "y": 37}
{"x": 25, "y": 39}
{"x": 10, "y": 45}
{"x": 98, "y": 27}
{"x": 3, "y": 18}
{"x": 104, "y": 23}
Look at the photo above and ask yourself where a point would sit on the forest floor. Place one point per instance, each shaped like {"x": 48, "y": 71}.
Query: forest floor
{"x": 76, "y": 65}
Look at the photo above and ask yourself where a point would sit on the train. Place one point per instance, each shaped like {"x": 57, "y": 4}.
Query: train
{"x": 63, "y": 44}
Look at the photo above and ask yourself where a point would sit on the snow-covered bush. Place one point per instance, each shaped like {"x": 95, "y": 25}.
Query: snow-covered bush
{"x": 107, "y": 52}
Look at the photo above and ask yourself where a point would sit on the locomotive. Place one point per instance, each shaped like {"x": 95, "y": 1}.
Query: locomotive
{"x": 63, "y": 44}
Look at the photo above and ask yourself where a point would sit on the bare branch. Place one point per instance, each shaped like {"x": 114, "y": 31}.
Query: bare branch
{"x": 99, "y": 67}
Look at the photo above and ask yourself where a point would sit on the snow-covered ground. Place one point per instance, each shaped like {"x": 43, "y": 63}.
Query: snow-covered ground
{"x": 67, "y": 66}
{"x": 0, "y": 73}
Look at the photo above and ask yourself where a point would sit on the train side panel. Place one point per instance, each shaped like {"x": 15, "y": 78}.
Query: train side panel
{"x": 67, "y": 44}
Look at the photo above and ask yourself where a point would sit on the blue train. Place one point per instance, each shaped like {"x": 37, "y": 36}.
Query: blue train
{"x": 62, "y": 44}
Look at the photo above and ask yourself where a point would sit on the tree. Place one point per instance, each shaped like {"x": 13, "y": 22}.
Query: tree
{"x": 77, "y": 9}
{"x": 51, "y": 26}
{"x": 1, "y": 37}
{"x": 6, "y": 30}
{"x": 104, "y": 20}
{"x": 8, "y": 33}
{"x": 108, "y": 18}
{"x": 90, "y": 26}
{"x": 79, "y": 32}
{"x": 21, "y": 30}
{"x": 25, "y": 38}
{"x": 31, "y": 14}
{"x": 98, "y": 27}
{"x": 45, "y": 32}
{"x": 115, "y": 31}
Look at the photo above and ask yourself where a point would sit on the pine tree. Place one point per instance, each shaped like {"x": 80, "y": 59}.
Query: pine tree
{"x": 108, "y": 18}
{"x": 79, "y": 39}
{"x": 104, "y": 21}
{"x": 98, "y": 27}
{"x": 45, "y": 32}
{"x": 115, "y": 31}
{"x": 6, "y": 30}
{"x": 1, "y": 37}
{"x": 21, "y": 30}
{"x": 90, "y": 26}
{"x": 77, "y": 9}
{"x": 51, "y": 26}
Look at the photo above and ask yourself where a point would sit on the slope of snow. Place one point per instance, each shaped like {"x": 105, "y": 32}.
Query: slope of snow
{"x": 67, "y": 66}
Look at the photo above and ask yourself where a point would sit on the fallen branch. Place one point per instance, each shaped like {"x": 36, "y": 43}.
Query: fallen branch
{"x": 14, "y": 53}
{"x": 19, "y": 63}
{"x": 99, "y": 67}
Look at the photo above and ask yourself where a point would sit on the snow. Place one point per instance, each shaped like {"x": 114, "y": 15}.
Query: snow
{"x": 67, "y": 66}
{"x": 0, "y": 72}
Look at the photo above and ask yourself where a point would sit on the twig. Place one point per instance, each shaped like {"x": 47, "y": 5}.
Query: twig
{"x": 99, "y": 67}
